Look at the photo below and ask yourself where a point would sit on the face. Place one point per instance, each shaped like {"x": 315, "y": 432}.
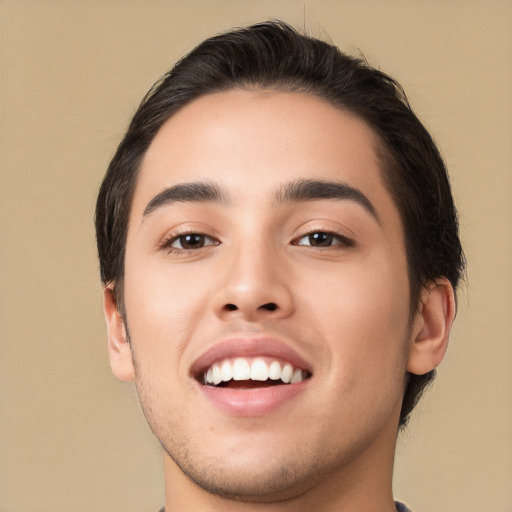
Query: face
{"x": 267, "y": 295}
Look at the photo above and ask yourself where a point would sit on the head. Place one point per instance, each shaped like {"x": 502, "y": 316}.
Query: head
{"x": 273, "y": 56}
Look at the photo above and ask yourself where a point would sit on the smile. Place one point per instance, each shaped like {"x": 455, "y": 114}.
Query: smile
{"x": 252, "y": 371}
{"x": 251, "y": 376}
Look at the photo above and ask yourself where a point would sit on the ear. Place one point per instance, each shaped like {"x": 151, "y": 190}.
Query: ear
{"x": 119, "y": 350}
{"x": 432, "y": 327}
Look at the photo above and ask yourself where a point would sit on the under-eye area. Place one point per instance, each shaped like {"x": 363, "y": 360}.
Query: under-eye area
{"x": 249, "y": 373}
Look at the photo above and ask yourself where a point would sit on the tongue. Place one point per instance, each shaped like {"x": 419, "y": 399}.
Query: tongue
{"x": 249, "y": 384}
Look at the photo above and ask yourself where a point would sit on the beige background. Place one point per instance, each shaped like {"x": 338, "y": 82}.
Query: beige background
{"x": 72, "y": 72}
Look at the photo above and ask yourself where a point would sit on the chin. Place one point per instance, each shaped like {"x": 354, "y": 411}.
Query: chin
{"x": 235, "y": 472}
{"x": 258, "y": 483}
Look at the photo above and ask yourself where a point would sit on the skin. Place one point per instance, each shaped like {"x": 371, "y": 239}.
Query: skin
{"x": 343, "y": 308}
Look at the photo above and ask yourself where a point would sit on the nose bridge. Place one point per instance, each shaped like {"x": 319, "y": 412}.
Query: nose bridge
{"x": 254, "y": 282}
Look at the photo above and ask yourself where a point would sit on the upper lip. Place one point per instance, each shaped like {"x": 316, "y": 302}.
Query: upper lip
{"x": 248, "y": 347}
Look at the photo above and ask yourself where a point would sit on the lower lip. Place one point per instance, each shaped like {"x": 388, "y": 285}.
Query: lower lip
{"x": 255, "y": 401}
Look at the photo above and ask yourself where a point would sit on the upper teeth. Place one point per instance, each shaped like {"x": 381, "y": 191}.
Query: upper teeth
{"x": 257, "y": 369}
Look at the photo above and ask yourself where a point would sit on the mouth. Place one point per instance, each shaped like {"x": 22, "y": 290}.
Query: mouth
{"x": 248, "y": 377}
{"x": 250, "y": 373}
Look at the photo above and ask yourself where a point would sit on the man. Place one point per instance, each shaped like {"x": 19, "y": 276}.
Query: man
{"x": 280, "y": 253}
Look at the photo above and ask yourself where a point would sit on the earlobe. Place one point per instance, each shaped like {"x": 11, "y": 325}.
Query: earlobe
{"x": 432, "y": 327}
{"x": 119, "y": 350}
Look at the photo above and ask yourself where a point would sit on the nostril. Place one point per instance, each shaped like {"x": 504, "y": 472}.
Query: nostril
{"x": 269, "y": 306}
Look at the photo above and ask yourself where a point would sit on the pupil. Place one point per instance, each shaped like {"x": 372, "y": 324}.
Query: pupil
{"x": 320, "y": 239}
{"x": 192, "y": 241}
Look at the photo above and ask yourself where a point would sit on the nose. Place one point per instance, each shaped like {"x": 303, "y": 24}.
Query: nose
{"x": 256, "y": 285}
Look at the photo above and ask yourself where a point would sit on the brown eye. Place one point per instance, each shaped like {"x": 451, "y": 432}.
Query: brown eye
{"x": 192, "y": 241}
{"x": 320, "y": 239}
{"x": 324, "y": 239}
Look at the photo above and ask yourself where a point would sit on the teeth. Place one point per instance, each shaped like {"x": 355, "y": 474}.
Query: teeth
{"x": 287, "y": 373}
{"x": 217, "y": 375}
{"x": 274, "y": 371}
{"x": 226, "y": 371}
{"x": 258, "y": 370}
{"x": 296, "y": 377}
{"x": 241, "y": 370}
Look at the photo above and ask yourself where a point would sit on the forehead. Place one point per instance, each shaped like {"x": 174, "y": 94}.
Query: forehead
{"x": 253, "y": 142}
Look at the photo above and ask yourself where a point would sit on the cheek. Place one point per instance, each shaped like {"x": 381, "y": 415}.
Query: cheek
{"x": 163, "y": 305}
{"x": 363, "y": 310}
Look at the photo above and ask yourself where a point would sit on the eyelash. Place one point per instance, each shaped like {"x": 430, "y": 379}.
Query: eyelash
{"x": 342, "y": 241}
{"x": 168, "y": 243}
{"x": 328, "y": 236}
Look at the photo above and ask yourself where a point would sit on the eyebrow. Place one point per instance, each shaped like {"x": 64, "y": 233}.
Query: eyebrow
{"x": 314, "y": 190}
{"x": 199, "y": 192}
{"x": 296, "y": 191}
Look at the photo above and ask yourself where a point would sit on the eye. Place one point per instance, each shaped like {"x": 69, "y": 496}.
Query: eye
{"x": 324, "y": 239}
{"x": 189, "y": 242}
